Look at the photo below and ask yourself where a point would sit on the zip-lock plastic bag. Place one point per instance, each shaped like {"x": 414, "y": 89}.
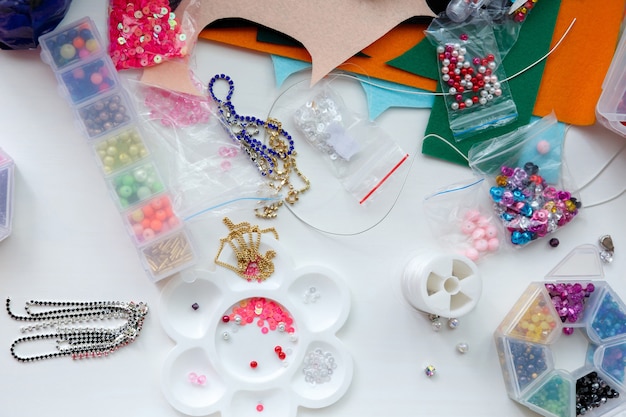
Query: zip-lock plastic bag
{"x": 205, "y": 171}
{"x": 472, "y": 78}
{"x": 361, "y": 155}
{"x": 461, "y": 219}
{"x": 528, "y": 179}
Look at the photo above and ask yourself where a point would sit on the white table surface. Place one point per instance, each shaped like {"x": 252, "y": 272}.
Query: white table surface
{"x": 68, "y": 243}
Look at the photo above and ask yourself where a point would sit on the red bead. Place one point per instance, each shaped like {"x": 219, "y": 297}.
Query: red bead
{"x": 282, "y": 356}
{"x": 278, "y": 349}
{"x": 225, "y": 319}
{"x": 253, "y": 364}
{"x": 475, "y": 99}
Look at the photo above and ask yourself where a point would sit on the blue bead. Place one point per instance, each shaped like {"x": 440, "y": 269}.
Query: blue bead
{"x": 496, "y": 193}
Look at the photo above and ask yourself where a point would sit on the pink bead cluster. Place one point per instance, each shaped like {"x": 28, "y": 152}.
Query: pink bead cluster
{"x": 268, "y": 314}
{"x": 569, "y": 300}
{"x": 143, "y": 33}
{"x": 196, "y": 379}
{"x": 175, "y": 109}
{"x": 463, "y": 75}
{"x": 482, "y": 234}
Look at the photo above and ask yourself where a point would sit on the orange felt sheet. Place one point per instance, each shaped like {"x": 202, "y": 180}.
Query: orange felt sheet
{"x": 394, "y": 43}
{"x": 572, "y": 79}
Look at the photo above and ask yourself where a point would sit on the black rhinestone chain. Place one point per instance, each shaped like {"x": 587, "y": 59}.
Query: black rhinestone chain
{"x": 81, "y": 342}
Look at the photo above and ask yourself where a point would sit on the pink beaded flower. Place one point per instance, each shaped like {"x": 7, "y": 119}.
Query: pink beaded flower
{"x": 143, "y": 33}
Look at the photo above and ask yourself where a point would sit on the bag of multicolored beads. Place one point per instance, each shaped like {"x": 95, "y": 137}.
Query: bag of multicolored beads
{"x": 529, "y": 179}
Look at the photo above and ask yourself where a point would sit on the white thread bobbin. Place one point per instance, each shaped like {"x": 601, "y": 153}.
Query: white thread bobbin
{"x": 447, "y": 285}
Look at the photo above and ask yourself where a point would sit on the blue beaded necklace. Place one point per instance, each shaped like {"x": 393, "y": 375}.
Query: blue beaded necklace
{"x": 276, "y": 160}
{"x": 244, "y": 129}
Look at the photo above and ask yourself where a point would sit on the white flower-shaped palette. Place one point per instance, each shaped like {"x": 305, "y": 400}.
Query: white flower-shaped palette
{"x": 248, "y": 348}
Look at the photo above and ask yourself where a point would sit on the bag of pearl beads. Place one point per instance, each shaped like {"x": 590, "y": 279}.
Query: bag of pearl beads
{"x": 528, "y": 179}
{"x": 471, "y": 76}
{"x": 461, "y": 219}
{"x": 204, "y": 170}
{"x": 361, "y": 155}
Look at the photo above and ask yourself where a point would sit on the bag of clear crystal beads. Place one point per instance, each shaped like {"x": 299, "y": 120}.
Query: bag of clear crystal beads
{"x": 361, "y": 154}
{"x": 472, "y": 79}
{"x": 529, "y": 185}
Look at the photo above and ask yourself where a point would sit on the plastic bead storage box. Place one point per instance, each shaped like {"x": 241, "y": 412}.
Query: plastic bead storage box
{"x": 552, "y": 310}
{"x": 6, "y": 194}
{"x": 91, "y": 85}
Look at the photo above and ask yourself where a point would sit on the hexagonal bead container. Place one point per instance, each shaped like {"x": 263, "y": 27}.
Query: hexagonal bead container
{"x": 104, "y": 114}
{"x": 151, "y": 220}
{"x": 6, "y": 194}
{"x": 120, "y": 149}
{"x": 136, "y": 184}
{"x": 523, "y": 342}
{"x": 71, "y": 44}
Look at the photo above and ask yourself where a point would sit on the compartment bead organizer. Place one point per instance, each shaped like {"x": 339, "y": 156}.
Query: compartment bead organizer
{"x": 550, "y": 310}
{"x": 90, "y": 83}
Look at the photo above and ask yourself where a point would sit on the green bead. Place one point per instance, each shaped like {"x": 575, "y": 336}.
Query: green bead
{"x": 128, "y": 179}
{"x": 143, "y": 193}
{"x": 125, "y": 191}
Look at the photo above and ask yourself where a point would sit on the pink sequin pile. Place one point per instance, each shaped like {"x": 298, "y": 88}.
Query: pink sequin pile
{"x": 143, "y": 33}
{"x": 268, "y": 314}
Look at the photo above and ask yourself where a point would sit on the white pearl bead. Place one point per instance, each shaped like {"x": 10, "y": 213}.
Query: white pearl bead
{"x": 469, "y": 85}
{"x": 445, "y": 70}
{"x": 455, "y": 53}
{"x": 445, "y": 77}
{"x": 452, "y": 90}
{"x": 454, "y": 106}
{"x": 468, "y": 102}
{"x": 498, "y": 92}
{"x": 482, "y": 69}
{"x": 441, "y": 49}
{"x": 445, "y": 62}
{"x": 482, "y": 100}
{"x": 462, "y": 347}
{"x": 492, "y": 65}
{"x": 466, "y": 64}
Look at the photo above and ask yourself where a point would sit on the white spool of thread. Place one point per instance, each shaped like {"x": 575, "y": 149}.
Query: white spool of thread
{"x": 447, "y": 285}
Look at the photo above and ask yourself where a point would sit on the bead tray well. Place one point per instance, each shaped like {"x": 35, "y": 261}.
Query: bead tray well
{"x": 541, "y": 318}
{"x": 267, "y": 345}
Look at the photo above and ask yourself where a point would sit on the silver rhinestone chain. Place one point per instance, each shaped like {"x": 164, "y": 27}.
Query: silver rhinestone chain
{"x": 78, "y": 342}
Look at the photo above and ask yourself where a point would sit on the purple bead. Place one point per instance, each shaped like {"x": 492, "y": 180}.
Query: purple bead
{"x": 554, "y": 242}
{"x": 568, "y": 330}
